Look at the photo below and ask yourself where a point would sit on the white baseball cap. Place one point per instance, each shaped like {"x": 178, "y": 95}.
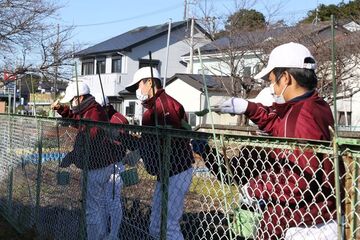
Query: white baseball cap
{"x": 72, "y": 91}
{"x": 288, "y": 55}
{"x": 99, "y": 98}
{"x": 140, "y": 74}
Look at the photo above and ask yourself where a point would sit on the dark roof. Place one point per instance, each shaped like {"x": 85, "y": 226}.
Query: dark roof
{"x": 214, "y": 83}
{"x": 243, "y": 40}
{"x": 133, "y": 38}
{"x": 252, "y": 40}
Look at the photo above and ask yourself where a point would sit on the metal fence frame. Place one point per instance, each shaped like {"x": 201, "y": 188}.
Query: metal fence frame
{"x": 348, "y": 149}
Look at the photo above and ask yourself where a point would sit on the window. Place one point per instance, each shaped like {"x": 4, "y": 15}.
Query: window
{"x": 130, "y": 110}
{"x": 344, "y": 120}
{"x": 87, "y": 67}
{"x": 192, "y": 119}
{"x": 116, "y": 64}
{"x": 101, "y": 65}
{"x": 146, "y": 63}
{"x": 247, "y": 72}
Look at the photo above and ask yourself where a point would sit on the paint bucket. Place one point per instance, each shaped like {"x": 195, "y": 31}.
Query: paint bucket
{"x": 63, "y": 178}
{"x": 245, "y": 223}
{"x": 129, "y": 177}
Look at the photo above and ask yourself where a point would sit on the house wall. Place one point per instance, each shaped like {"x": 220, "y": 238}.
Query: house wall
{"x": 351, "y": 105}
{"x": 223, "y": 119}
{"x": 185, "y": 94}
{"x": 116, "y": 82}
{"x": 194, "y": 100}
{"x": 178, "y": 47}
{"x": 213, "y": 66}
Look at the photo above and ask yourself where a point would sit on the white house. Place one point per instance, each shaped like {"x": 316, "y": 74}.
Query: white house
{"x": 189, "y": 90}
{"x": 248, "y": 55}
{"x": 119, "y": 57}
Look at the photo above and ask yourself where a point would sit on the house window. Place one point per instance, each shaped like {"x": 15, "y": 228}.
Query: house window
{"x": 116, "y": 64}
{"x": 130, "y": 110}
{"x": 87, "y": 67}
{"x": 192, "y": 118}
{"x": 146, "y": 63}
{"x": 344, "y": 118}
{"x": 247, "y": 72}
{"x": 256, "y": 69}
{"x": 101, "y": 65}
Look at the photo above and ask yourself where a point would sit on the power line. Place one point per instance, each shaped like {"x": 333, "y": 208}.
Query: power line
{"x": 131, "y": 18}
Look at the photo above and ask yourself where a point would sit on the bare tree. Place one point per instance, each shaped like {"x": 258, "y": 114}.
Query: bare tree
{"x": 27, "y": 30}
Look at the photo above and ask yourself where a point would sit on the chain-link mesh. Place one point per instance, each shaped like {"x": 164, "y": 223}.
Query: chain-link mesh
{"x": 82, "y": 180}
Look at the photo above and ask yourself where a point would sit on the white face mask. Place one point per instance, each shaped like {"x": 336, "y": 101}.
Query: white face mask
{"x": 278, "y": 98}
{"x": 140, "y": 95}
{"x": 75, "y": 102}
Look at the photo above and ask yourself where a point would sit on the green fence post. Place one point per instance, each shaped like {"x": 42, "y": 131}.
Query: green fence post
{"x": 10, "y": 191}
{"x": 85, "y": 171}
{"x": 39, "y": 176}
{"x": 11, "y": 176}
{"x": 165, "y": 169}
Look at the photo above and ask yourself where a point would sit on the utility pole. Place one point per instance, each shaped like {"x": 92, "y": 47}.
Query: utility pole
{"x": 185, "y": 9}
{"x": 191, "y": 45}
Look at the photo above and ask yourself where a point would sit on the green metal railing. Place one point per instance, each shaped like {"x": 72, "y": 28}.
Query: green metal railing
{"x": 31, "y": 197}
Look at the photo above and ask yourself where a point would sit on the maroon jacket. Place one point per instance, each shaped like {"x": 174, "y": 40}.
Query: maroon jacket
{"x": 297, "y": 188}
{"x": 101, "y": 150}
{"x": 115, "y": 116}
{"x": 170, "y": 113}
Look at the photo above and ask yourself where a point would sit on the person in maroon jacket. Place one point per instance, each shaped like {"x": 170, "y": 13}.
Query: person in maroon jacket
{"x": 163, "y": 110}
{"x": 297, "y": 189}
{"x": 114, "y": 186}
{"x": 100, "y": 154}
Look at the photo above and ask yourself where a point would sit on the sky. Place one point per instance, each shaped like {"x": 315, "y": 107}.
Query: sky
{"x": 97, "y": 20}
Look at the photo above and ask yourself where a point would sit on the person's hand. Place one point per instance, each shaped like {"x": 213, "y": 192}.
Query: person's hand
{"x": 55, "y": 105}
{"x": 233, "y": 106}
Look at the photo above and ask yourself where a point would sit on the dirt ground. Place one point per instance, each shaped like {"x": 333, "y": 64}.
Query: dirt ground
{"x": 6, "y": 231}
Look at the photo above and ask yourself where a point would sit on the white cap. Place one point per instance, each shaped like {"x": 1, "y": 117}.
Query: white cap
{"x": 72, "y": 91}
{"x": 99, "y": 98}
{"x": 140, "y": 74}
{"x": 288, "y": 55}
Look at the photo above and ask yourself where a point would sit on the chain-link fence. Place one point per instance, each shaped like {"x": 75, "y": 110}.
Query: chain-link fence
{"x": 81, "y": 180}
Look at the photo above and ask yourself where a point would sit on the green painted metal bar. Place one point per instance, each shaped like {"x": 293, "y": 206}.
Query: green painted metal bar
{"x": 215, "y": 142}
{"x": 39, "y": 175}
{"x": 336, "y": 155}
{"x": 165, "y": 169}
{"x": 85, "y": 171}
{"x": 11, "y": 177}
{"x": 333, "y": 70}
{"x": 10, "y": 191}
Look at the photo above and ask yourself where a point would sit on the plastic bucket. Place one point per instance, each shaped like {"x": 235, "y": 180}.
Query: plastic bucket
{"x": 245, "y": 223}
{"x": 130, "y": 177}
{"x": 63, "y": 178}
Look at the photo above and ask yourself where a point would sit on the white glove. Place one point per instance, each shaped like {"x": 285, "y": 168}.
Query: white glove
{"x": 234, "y": 106}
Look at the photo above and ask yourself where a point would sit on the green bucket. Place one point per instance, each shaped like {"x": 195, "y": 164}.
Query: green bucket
{"x": 245, "y": 223}
{"x": 130, "y": 177}
{"x": 63, "y": 178}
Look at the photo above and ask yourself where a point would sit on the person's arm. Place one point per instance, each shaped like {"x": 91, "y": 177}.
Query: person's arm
{"x": 264, "y": 117}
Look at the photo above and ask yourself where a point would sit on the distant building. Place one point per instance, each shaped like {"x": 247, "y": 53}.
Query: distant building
{"x": 118, "y": 58}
